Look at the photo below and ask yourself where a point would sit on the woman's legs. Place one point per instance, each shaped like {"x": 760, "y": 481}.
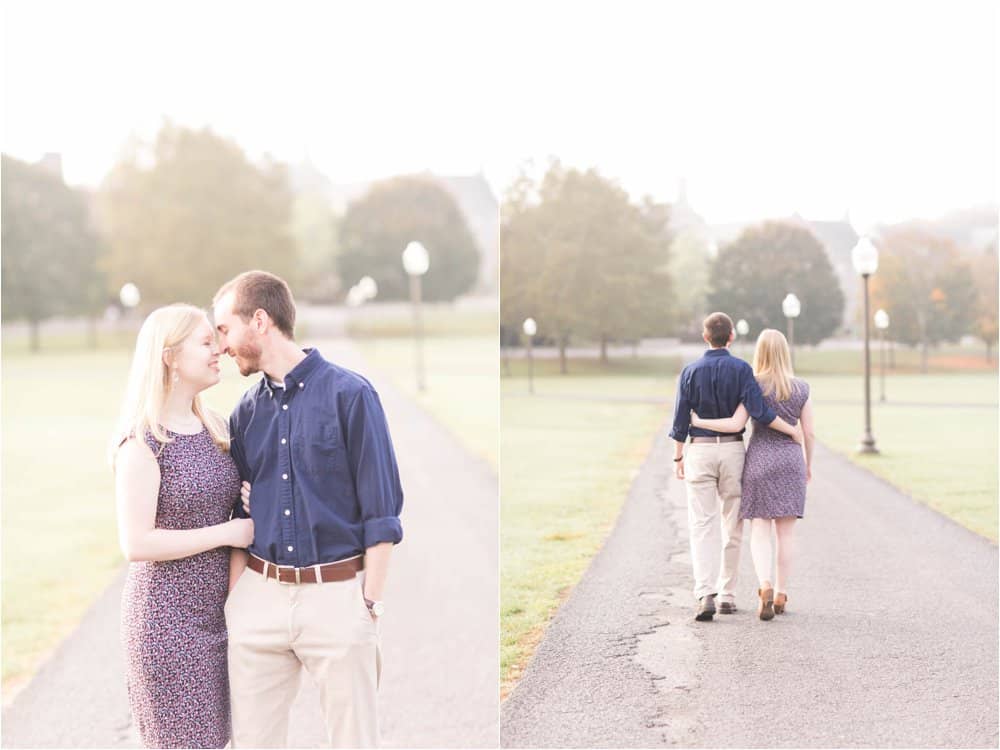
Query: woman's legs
{"x": 760, "y": 549}
{"x": 786, "y": 549}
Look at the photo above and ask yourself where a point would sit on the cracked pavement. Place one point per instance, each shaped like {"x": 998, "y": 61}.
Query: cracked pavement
{"x": 890, "y": 639}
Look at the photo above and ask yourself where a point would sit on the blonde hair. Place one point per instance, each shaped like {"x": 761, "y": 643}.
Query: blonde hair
{"x": 149, "y": 380}
{"x": 772, "y": 364}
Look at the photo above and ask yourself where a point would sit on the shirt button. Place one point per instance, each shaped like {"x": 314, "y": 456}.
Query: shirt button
{"x": 288, "y": 512}
{"x": 285, "y": 407}
{"x": 302, "y": 385}
{"x": 291, "y": 548}
{"x": 283, "y": 441}
{"x": 284, "y": 476}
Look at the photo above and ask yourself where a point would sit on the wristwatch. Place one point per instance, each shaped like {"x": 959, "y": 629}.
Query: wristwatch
{"x": 376, "y": 608}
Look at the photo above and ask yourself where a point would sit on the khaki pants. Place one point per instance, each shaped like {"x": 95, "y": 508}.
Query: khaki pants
{"x": 274, "y": 631}
{"x": 713, "y": 474}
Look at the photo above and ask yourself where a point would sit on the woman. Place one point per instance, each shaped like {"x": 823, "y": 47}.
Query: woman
{"x": 175, "y": 485}
{"x": 774, "y": 473}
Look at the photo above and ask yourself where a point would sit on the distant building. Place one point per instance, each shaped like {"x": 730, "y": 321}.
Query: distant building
{"x": 471, "y": 193}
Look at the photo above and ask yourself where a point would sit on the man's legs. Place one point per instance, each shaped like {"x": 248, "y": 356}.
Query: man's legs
{"x": 732, "y": 456}
{"x": 338, "y": 644}
{"x": 701, "y": 481}
{"x": 264, "y": 673}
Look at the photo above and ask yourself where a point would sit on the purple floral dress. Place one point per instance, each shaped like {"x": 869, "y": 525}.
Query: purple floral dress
{"x": 774, "y": 472}
{"x": 172, "y": 623}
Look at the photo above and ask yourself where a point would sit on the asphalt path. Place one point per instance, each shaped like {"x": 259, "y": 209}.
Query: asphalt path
{"x": 890, "y": 638}
{"x": 439, "y": 634}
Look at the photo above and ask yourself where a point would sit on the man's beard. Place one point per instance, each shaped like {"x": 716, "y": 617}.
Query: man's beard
{"x": 248, "y": 358}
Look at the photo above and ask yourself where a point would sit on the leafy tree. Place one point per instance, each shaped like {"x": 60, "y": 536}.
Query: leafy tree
{"x": 986, "y": 274}
{"x": 377, "y": 228}
{"x": 582, "y": 260}
{"x": 49, "y": 248}
{"x": 190, "y": 211}
{"x": 751, "y": 276}
{"x": 690, "y": 261}
{"x": 315, "y": 230}
{"x": 924, "y": 285}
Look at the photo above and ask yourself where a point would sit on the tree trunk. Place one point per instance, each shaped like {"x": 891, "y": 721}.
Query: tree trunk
{"x": 33, "y": 335}
{"x": 562, "y": 356}
{"x": 604, "y": 349}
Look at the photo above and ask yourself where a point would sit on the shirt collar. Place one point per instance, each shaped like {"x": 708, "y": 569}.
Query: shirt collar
{"x": 298, "y": 375}
{"x": 717, "y": 352}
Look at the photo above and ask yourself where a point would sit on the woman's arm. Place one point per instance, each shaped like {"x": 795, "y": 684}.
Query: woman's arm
{"x": 137, "y": 485}
{"x": 734, "y": 423}
{"x": 808, "y": 430}
{"x": 237, "y": 564}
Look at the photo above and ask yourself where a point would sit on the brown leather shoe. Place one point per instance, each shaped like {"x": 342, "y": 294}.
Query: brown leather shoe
{"x": 766, "y": 607}
{"x": 727, "y": 608}
{"x": 779, "y": 603}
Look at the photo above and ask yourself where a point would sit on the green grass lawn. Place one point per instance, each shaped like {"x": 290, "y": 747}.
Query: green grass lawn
{"x": 945, "y": 456}
{"x": 567, "y": 464}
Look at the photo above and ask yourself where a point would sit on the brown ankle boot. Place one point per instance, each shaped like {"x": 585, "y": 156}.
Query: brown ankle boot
{"x": 780, "y": 599}
{"x": 766, "y": 608}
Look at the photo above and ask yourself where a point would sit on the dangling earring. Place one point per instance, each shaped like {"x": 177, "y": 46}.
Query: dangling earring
{"x": 177, "y": 377}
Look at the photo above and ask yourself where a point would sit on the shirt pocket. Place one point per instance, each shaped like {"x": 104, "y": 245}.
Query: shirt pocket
{"x": 322, "y": 452}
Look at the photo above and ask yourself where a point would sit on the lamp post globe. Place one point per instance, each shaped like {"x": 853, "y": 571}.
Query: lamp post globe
{"x": 129, "y": 295}
{"x": 416, "y": 261}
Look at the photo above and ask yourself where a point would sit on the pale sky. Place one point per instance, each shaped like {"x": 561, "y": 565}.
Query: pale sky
{"x": 886, "y": 109}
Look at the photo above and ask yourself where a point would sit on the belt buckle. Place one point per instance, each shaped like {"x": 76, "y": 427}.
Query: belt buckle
{"x": 277, "y": 575}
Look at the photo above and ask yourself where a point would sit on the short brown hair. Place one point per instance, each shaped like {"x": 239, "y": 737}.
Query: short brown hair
{"x": 719, "y": 327}
{"x": 260, "y": 290}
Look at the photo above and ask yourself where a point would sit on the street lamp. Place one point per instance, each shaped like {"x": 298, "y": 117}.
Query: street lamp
{"x": 864, "y": 256}
{"x": 882, "y": 323}
{"x": 742, "y": 328}
{"x": 416, "y": 262}
{"x": 791, "y": 307}
{"x": 530, "y": 328}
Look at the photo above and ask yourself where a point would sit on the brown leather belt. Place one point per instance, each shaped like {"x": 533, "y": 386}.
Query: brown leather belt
{"x": 718, "y": 439}
{"x": 344, "y": 570}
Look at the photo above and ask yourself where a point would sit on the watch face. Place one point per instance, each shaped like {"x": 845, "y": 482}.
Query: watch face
{"x": 378, "y": 608}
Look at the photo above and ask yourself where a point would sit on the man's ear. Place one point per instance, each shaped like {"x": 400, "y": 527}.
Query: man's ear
{"x": 260, "y": 320}
{"x": 704, "y": 337}
{"x": 732, "y": 336}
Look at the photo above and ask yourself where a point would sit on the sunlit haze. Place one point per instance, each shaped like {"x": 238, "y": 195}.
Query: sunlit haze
{"x": 882, "y": 109}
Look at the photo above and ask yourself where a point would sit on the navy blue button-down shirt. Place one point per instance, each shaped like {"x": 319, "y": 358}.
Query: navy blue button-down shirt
{"x": 318, "y": 455}
{"x": 713, "y": 387}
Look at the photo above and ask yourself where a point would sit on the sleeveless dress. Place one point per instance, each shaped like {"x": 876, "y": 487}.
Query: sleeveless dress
{"x": 774, "y": 472}
{"x": 172, "y": 624}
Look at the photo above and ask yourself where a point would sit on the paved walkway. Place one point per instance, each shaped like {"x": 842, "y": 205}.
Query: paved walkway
{"x": 890, "y": 639}
{"x": 440, "y": 632}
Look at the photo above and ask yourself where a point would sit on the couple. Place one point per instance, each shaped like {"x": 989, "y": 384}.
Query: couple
{"x": 727, "y": 484}
{"x": 222, "y": 610}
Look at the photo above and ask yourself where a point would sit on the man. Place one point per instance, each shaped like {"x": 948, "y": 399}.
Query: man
{"x": 713, "y": 387}
{"x": 311, "y": 439}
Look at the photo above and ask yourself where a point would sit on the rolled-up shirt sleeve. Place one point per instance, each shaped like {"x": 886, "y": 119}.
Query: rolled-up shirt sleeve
{"x": 753, "y": 398}
{"x": 682, "y": 412}
{"x": 373, "y": 466}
